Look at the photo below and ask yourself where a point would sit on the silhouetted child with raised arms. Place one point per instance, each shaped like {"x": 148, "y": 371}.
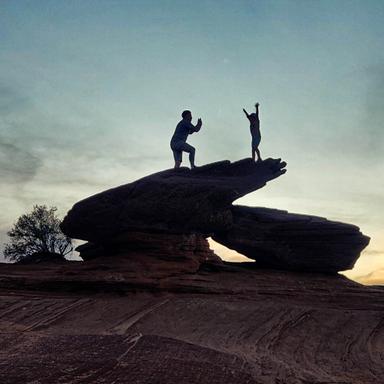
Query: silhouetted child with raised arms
{"x": 254, "y": 126}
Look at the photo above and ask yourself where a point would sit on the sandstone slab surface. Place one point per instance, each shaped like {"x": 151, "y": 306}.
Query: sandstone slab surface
{"x": 223, "y": 324}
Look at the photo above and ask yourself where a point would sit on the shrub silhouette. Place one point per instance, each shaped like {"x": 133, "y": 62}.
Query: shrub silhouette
{"x": 35, "y": 234}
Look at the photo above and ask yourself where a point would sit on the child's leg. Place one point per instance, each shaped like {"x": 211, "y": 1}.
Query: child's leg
{"x": 254, "y": 144}
{"x": 255, "y": 147}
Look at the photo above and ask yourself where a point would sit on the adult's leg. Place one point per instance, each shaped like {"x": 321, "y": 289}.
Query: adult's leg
{"x": 177, "y": 155}
{"x": 192, "y": 157}
{"x": 191, "y": 150}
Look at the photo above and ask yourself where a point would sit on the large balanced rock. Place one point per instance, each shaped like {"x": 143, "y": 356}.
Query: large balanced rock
{"x": 174, "y": 204}
{"x": 175, "y": 200}
{"x": 282, "y": 240}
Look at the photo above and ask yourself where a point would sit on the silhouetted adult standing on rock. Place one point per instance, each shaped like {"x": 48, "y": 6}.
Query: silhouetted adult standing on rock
{"x": 179, "y": 138}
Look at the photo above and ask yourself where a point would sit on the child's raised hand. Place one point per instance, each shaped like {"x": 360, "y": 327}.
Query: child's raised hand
{"x": 257, "y": 104}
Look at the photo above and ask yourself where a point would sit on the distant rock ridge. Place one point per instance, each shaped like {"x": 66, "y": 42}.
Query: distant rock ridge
{"x": 160, "y": 212}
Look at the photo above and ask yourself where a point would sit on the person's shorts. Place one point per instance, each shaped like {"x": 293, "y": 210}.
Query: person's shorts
{"x": 255, "y": 141}
{"x": 178, "y": 149}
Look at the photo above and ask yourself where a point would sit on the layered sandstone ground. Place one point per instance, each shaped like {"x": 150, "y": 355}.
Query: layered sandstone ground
{"x": 227, "y": 323}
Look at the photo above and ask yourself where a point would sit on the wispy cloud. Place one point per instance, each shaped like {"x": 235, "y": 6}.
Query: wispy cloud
{"x": 17, "y": 165}
{"x": 58, "y": 157}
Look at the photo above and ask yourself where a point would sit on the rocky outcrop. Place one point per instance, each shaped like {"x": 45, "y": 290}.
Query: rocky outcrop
{"x": 282, "y": 240}
{"x": 173, "y": 205}
{"x": 173, "y": 201}
{"x": 153, "y": 254}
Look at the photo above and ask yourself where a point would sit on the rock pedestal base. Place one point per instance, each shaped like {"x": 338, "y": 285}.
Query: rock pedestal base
{"x": 153, "y": 252}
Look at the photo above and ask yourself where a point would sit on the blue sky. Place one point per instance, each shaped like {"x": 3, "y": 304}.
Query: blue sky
{"x": 90, "y": 93}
